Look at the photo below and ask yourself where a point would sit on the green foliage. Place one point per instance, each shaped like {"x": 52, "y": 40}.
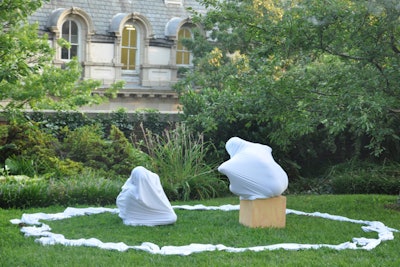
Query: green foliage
{"x": 122, "y": 155}
{"x": 86, "y": 144}
{"x": 54, "y": 123}
{"x": 86, "y": 188}
{"x": 116, "y": 154}
{"x": 62, "y": 168}
{"x": 30, "y": 140}
{"x": 351, "y": 177}
{"x": 20, "y": 166}
{"x": 179, "y": 158}
{"x": 120, "y": 119}
{"x": 5, "y": 145}
{"x": 128, "y": 123}
{"x": 365, "y": 178}
{"x": 23, "y": 54}
{"x": 26, "y": 149}
{"x": 61, "y": 144}
{"x": 28, "y": 79}
{"x": 317, "y": 82}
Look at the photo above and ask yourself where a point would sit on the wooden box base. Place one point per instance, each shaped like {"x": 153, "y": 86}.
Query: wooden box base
{"x": 267, "y": 212}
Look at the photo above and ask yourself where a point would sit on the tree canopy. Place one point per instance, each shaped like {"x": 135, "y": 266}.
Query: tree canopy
{"x": 28, "y": 79}
{"x": 314, "y": 79}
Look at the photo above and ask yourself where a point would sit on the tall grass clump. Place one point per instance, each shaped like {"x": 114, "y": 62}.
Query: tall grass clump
{"x": 179, "y": 158}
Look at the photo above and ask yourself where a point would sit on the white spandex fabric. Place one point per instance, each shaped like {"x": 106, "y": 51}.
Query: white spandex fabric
{"x": 252, "y": 171}
{"x": 45, "y": 237}
{"x": 142, "y": 200}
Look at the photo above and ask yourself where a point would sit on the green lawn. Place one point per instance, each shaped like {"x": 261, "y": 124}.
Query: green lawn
{"x": 213, "y": 227}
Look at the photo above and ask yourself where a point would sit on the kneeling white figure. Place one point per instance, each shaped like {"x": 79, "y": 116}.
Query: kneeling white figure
{"x": 142, "y": 200}
{"x": 252, "y": 171}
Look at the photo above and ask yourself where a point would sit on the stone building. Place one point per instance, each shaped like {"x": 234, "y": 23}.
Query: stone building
{"x": 130, "y": 40}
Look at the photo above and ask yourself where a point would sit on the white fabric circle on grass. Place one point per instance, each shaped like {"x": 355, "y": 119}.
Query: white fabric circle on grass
{"x": 46, "y": 237}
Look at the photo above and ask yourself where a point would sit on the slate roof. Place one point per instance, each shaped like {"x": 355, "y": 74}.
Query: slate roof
{"x": 102, "y": 11}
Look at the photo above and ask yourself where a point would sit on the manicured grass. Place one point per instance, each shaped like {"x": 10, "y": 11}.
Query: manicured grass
{"x": 213, "y": 227}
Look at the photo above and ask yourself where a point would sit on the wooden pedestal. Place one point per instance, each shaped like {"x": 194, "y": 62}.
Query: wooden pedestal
{"x": 267, "y": 212}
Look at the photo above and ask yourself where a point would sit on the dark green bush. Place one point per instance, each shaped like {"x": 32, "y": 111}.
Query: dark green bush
{"x": 128, "y": 123}
{"x": 317, "y": 185}
{"x": 122, "y": 155}
{"x": 115, "y": 155}
{"x": 27, "y": 149}
{"x": 365, "y": 178}
{"x": 87, "y": 189}
{"x": 23, "y": 193}
{"x": 87, "y": 145}
{"x": 62, "y": 143}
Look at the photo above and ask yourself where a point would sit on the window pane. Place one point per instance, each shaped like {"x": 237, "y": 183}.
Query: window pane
{"x": 182, "y": 53}
{"x": 125, "y": 37}
{"x": 74, "y": 51}
{"x": 188, "y": 34}
{"x": 129, "y": 47}
{"x": 132, "y": 59}
{"x": 70, "y": 33}
{"x": 65, "y": 28}
{"x": 64, "y": 53}
{"x": 74, "y": 39}
{"x": 124, "y": 58}
{"x": 186, "y": 58}
{"x": 178, "y": 57}
{"x": 74, "y": 28}
{"x": 133, "y": 39}
{"x": 180, "y": 45}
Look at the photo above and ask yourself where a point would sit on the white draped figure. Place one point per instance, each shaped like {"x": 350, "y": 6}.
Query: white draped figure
{"x": 252, "y": 171}
{"x": 142, "y": 200}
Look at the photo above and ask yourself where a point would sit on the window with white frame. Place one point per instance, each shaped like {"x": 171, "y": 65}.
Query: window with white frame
{"x": 130, "y": 47}
{"x": 183, "y": 55}
{"x": 70, "y": 33}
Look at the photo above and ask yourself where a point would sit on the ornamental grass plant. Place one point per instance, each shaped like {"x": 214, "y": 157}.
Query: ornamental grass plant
{"x": 179, "y": 157}
{"x": 213, "y": 227}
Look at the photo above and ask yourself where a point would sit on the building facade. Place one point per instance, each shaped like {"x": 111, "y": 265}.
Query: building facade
{"x": 134, "y": 41}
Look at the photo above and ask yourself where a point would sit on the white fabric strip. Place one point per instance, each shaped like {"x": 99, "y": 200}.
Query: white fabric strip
{"x": 46, "y": 237}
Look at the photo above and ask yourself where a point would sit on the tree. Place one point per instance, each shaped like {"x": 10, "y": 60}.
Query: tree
{"x": 314, "y": 79}
{"x": 27, "y": 77}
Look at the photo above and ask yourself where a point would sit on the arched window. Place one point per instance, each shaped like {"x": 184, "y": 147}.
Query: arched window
{"x": 130, "y": 47}
{"x": 70, "y": 32}
{"x": 183, "y": 55}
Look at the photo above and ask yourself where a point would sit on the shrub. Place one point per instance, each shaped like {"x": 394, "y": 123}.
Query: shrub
{"x": 23, "y": 193}
{"x": 27, "y": 149}
{"x": 87, "y": 145}
{"x": 179, "y": 158}
{"x": 317, "y": 185}
{"x": 54, "y": 122}
{"x": 61, "y": 168}
{"x": 88, "y": 188}
{"x": 122, "y": 155}
{"x": 115, "y": 155}
{"x": 365, "y": 178}
{"x": 20, "y": 165}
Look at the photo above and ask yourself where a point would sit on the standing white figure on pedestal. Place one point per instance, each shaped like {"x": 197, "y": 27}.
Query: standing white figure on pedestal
{"x": 252, "y": 171}
{"x": 142, "y": 200}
